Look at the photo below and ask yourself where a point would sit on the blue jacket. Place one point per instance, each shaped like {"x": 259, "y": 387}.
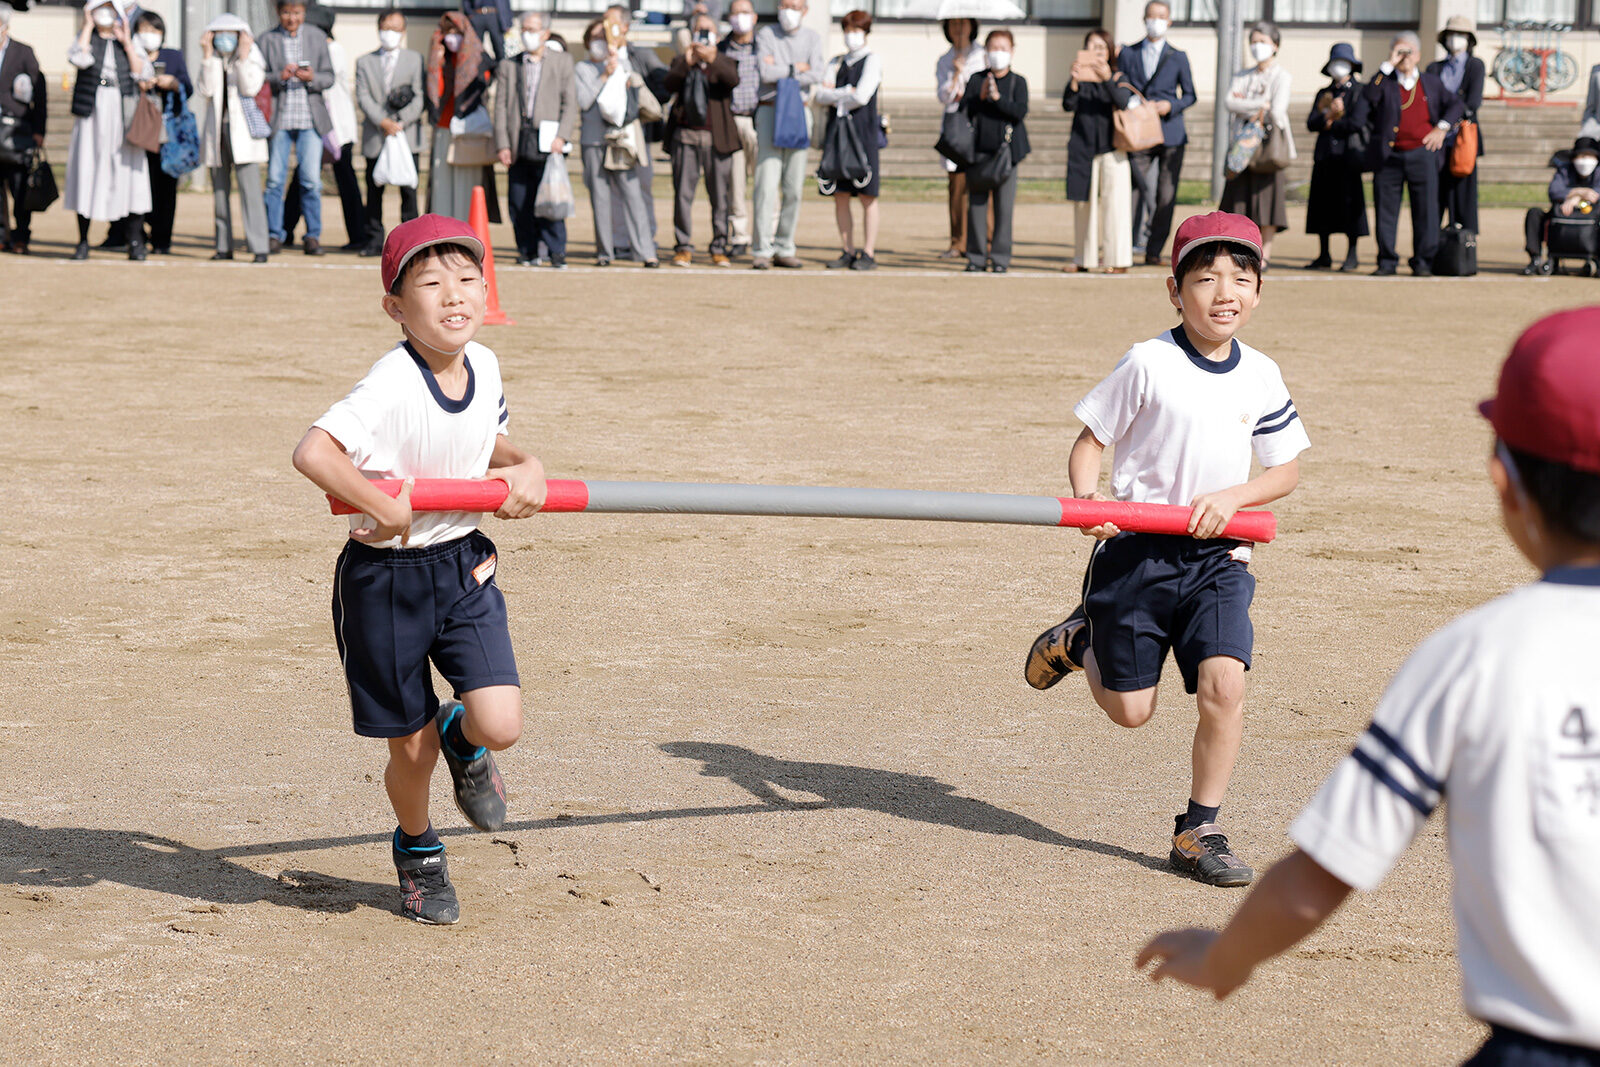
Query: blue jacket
{"x": 1566, "y": 178}
{"x": 1171, "y": 82}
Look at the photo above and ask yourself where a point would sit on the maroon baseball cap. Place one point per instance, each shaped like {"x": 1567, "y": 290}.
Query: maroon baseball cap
{"x": 1548, "y": 400}
{"x": 424, "y": 231}
{"x": 1214, "y": 226}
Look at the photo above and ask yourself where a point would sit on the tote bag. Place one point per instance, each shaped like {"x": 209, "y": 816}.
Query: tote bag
{"x": 146, "y": 130}
{"x": 1273, "y": 155}
{"x": 1464, "y": 153}
{"x": 789, "y": 117}
{"x": 1135, "y": 129}
{"x": 181, "y": 153}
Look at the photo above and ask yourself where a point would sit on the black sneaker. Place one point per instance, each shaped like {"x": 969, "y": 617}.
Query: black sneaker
{"x": 864, "y": 262}
{"x": 480, "y": 794}
{"x": 1050, "y": 659}
{"x": 845, "y": 261}
{"x": 1202, "y": 852}
{"x": 426, "y": 894}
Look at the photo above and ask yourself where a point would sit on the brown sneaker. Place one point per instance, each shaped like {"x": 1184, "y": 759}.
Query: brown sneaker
{"x": 682, "y": 259}
{"x": 788, "y": 262}
{"x": 720, "y": 260}
{"x": 1050, "y": 659}
{"x": 1202, "y": 852}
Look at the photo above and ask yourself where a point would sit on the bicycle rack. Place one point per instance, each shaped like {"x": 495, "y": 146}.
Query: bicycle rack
{"x": 1542, "y": 68}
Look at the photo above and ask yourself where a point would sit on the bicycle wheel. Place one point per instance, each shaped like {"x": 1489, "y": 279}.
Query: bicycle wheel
{"x": 1500, "y": 69}
{"x": 1524, "y": 71}
{"x": 1562, "y": 72}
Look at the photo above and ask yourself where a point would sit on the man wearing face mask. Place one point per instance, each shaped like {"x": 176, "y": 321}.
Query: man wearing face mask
{"x": 740, "y": 46}
{"x": 299, "y": 69}
{"x": 1461, "y": 73}
{"x": 1161, "y": 75}
{"x": 788, "y": 51}
{"x": 1574, "y": 194}
{"x": 1407, "y": 113}
{"x": 536, "y": 91}
{"x": 390, "y": 97}
{"x": 22, "y": 98}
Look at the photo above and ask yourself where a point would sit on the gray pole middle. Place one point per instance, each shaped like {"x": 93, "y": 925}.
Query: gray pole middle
{"x": 1230, "y": 29}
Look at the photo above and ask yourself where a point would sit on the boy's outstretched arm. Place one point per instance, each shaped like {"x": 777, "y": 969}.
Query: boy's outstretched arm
{"x": 1292, "y": 899}
{"x": 1083, "y": 471}
{"x": 323, "y": 460}
{"x": 1211, "y": 512}
{"x": 524, "y": 477}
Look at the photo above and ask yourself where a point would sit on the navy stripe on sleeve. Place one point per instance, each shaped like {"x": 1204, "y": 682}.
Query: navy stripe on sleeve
{"x": 1387, "y": 740}
{"x": 1275, "y": 427}
{"x": 1389, "y": 780}
{"x": 504, "y": 415}
{"x": 1280, "y": 413}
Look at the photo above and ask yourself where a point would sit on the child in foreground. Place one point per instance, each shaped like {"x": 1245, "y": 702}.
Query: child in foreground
{"x": 408, "y": 588}
{"x": 1500, "y": 711}
{"x": 1185, "y": 411}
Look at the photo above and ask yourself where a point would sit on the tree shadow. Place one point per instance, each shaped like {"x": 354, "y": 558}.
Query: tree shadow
{"x": 916, "y": 797}
{"x": 72, "y": 857}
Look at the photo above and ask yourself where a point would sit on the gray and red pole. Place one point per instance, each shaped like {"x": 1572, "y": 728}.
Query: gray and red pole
{"x": 818, "y": 501}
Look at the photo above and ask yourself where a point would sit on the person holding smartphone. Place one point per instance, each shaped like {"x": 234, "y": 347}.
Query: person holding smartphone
{"x": 170, "y": 74}
{"x": 107, "y": 178}
{"x": 702, "y": 137}
{"x": 299, "y": 71}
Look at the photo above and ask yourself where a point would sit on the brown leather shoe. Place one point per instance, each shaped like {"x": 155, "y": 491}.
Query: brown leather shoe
{"x": 787, "y": 262}
{"x": 312, "y": 246}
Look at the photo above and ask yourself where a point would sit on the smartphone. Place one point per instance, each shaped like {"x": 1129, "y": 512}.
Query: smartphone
{"x": 161, "y": 68}
{"x": 614, "y": 33}
{"x": 703, "y": 37}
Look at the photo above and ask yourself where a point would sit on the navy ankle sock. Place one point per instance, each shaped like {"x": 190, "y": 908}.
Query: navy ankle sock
{"x": 459, "y": 745}
{"x": 425, "y": 843}
{"x": 1197, "y": 814}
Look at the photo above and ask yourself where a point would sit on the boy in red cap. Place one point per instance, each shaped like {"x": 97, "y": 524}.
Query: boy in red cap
{"x": 1185, "y": 411}
{"x": 1500, "y": 711}
{"x": 413, "y": 588}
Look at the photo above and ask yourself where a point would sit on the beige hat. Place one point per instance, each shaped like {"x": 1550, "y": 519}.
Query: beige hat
{"x": 1460, "y": 24}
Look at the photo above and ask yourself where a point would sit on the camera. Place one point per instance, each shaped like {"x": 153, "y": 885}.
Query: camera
{"x": 702, "y": 37}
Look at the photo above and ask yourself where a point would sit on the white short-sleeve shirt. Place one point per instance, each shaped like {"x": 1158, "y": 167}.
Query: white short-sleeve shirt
{"x": 397, "y": 423}
{"x": 1183, "y": 425}
{"x": 1499, "y": 711}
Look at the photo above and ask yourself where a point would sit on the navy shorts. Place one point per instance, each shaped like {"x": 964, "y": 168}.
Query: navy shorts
{"x": 1147, "y": 593}
{"x": 1513, "y": 1048}
{"x": 394, "y": 609}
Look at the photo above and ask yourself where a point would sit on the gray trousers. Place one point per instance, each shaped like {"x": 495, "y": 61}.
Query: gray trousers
{"x": 1155, "y": 193}
{"x": 251, "y": 204}
{"x": 606, "y": 187}
{"x": 693, "y": 154}
{"x": 981, "y": 244}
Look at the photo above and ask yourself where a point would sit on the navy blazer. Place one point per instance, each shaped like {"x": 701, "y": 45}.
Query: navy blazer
{"x": 1379, "y": 112}
{"x": 1334, "y": 139}
{"x": 1172, "y": 82}
{"x": 1471, "y": 92}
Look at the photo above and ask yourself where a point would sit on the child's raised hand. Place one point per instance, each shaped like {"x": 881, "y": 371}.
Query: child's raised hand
{"x": 1210, "y": 514}
{"x": 525, "y": 489}
{"x": 1185, "y": 955}
{"x": 396, "y": 522}
{"x": 1106, "y": 530}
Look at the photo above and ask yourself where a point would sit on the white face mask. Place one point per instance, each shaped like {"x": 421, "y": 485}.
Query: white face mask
{"x": 1262, "y": 51}
{"x": 742, "y": 22}
{"x": 1456, "y": 42}
{"x": 104, "y": 17}
{"x": 389, "y": 40}
{"x": 1585, "y": 165}
{"x": 855, "y": 40}
{"x": 150, "y": 42}
{"x": 598, "y": 50}
{"x": 999, "y": 60}
{"x": 789, "y": 19}
{"x": 532, "y": 40}
{"x": 1155, "y": 29}
{"x": 452, "y": 42}
{"x": 1339, "y": 69}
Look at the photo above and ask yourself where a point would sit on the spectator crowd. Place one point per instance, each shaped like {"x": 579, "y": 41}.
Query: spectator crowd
{"x": 733, "y": 111}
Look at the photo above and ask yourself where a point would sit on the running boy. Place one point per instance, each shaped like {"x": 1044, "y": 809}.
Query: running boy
{"x": 413, "y": 588}
{"x": 1185, "y": 411}
{"x": 1500, "y": 711}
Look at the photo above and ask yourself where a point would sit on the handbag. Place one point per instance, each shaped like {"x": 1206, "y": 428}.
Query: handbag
{"x": 263, "y": 99}
{"x": 145, "y": 130}
{"x": 255, "y": 120}
{"x": 471, "y": 150}
{"x": 789, "y": 128}
{"x": 956, "y": 139}
{"x": 1273, "y": 155}
{"x": 1244, "y": 146}
{"x": 694, "y": 99}
{"x": 399, "y": 99}
{"x": 994, "y": 170}
{"x": 181, "y": 153}
{"x": 1135, "y": 129}
{"x": 40, "y": 189}
{"x": 1464, "y": 153}
{"x": 844, "y": 163}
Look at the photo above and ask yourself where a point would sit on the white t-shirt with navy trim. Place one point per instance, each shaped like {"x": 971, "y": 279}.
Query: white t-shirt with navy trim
{"x": 1183, "y": 425}
{"x": 1499, "y": 711}
{"x": 398, "y": 423}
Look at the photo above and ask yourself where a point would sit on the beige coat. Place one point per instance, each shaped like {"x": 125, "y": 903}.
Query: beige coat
{"x": 248, "y": 78}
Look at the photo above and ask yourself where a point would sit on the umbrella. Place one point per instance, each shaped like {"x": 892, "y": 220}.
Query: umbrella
{"x": 982, "y": 10}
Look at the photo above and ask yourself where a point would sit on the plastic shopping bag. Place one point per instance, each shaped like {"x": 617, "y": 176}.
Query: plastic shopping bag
{"x": 395, "y": 165}
{"x": 613, "y": 99}
{"x": 553, "y": 199}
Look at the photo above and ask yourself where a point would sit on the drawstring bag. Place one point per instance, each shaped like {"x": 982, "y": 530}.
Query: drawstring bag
{"x": 789, "y": 128}
{"x": 181, "y": 152}
{"x": 553, "y": 199}
{"x": 844, "y": 163}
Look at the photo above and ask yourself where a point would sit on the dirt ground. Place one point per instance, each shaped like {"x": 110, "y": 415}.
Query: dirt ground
{"x": 783, "y": 795}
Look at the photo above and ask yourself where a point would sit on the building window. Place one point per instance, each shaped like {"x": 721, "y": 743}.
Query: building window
{"x": 1313, "y": 12}
{"x": 1498, "y": 12}
{"x": 1038, "y": 10}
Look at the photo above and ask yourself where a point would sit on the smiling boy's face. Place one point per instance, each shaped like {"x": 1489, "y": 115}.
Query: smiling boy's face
{"x": 441, "y": 300}
{"x": 1216, "y": 300}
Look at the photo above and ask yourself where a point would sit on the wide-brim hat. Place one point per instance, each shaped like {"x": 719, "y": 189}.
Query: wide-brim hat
{"x": 1345, "y": 52}
{"x": 1460, "y": 24}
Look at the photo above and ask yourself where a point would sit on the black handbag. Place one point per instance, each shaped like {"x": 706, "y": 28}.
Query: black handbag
{"x": 40, "y": 190}
{"x": 1457, "y": 256}
{"x": 694, "y": 100}
{"x": 399, "y": 98}
{"x": 16, "y": 145}
{"x": 994, "y": 170}
{"x": 956, "y": 138}
{"x": 844, "y": 164}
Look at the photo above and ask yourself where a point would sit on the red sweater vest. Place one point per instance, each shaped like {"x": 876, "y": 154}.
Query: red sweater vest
{"x": 1414, "y": 123}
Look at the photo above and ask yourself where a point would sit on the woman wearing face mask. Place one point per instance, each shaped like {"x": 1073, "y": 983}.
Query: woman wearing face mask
{"x": 107, "y": 178}
{"x": 169, "y": 74}
{"x": 1099, "y": 180}
{"x": 1261, "y": 91}
{"x": 950, "y": 74}
{"x": 614, "y": 195}
{"x": 997, "y": 101}
{"x": 1338, "y": 200}
{"x": 457, "y": 78}
{"x": 850, "y": 88}
{"x": 231, "y": 72}
{"x": 1462, "y": 73}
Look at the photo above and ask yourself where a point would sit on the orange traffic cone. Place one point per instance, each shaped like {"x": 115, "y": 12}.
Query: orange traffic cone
{"x": 479, "y": 221}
